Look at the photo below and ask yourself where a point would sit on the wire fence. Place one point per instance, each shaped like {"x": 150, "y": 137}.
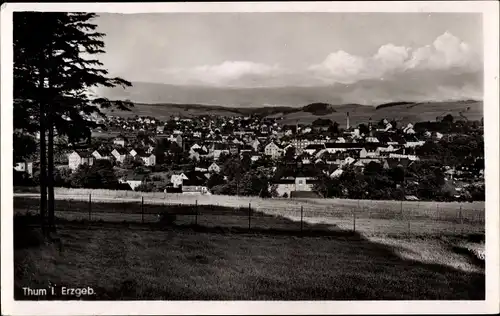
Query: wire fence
{"x": 403, "y": 220}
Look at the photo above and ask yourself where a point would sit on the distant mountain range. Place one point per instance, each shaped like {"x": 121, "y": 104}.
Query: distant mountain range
{"x": 365, "y": 92}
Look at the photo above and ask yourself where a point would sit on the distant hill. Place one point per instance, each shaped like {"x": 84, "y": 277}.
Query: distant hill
{"x": 297, "y": 104}
{"x": 387, "y": 105}
{"x": 319, "y": 108}
{"x": 402, "y": 112}
{"x": 166, "y": 110}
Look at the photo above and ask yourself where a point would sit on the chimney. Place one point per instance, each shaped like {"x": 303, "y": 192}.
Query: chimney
{"x": 347, "y": 120}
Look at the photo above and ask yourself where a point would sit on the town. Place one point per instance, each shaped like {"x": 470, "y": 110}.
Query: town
{"x": 252, "y": 155}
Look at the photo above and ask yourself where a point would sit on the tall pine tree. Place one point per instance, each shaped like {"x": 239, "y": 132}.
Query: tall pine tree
{"x": 55, "y": 76}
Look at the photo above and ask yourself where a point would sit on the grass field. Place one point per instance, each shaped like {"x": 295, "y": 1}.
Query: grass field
{"x": 134, "y": 262}
{"x": 370, "y": 217}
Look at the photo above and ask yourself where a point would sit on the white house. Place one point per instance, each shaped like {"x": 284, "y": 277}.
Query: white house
{"x": 313, "y": 148}
{"x": 133, "y": 152}
{"x": 120, "y": 141}
{"x": 120, "y": 154}
{"x": 148, "y": 159}
{"x": 178, "y": 179}
{"x": 214, "y": 168}
{"x": 133, "y": 180}
{"x": 273, "y": 150}
{"x": 409, "y": 129}
{"x": 101, "y": 154}
{"x": 77, "y": 158}
{"x": 296, "y": 181}
{"x": 160, "y": 129}
{"x": 337, "y": 173}
{"x": 347, "y": 161}
{"x": 24, "y": 166}
{"x": 195, "y": 146}
{"x": 255, "y": 144}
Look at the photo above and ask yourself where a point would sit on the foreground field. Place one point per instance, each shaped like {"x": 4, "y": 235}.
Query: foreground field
{"x": 133, "y": 262}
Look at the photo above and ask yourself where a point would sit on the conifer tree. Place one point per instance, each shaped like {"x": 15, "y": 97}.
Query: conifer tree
{"x": 54, "y": 75}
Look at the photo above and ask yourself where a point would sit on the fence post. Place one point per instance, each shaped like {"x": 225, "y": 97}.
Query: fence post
{"x": 354, "y": 222}
{"x": 249, "y": 214}
{"x": 461, "y": 220}
{"x": 90, "y": 206}
{"x": 301, "y": 218}
{"x": 142, "y": 209}
{"x": 401, "y": 208}
{"x": 196, "y": 213}
{"x": 409, "y": 227}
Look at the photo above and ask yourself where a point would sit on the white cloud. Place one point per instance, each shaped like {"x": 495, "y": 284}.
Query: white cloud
{"x": 226, "y": 73}
{"x": 446, "y": 52}
{"x": 340, "y": 67}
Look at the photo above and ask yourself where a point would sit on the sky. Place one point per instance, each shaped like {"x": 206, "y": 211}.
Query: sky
{"x": 249, "y": 50}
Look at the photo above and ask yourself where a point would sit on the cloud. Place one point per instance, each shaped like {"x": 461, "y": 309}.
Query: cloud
{"x": 447, "y": 52}
{"x": 226, "y": 73}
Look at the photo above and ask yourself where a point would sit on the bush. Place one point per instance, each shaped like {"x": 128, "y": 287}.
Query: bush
{"x": 146, "y": 187}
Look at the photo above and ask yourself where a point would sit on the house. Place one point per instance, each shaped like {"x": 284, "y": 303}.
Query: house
{"x": 177, "y": 179}
{"x": 195, "y": 146}
{"x": 217, "y": 149}
{"x": 255, "y": 158}
{"x": 273, "y": 150}
{"x": 177, "y": 138}
{"x": 408, "y": 129}
{"x": 314, "y": 148}
{"x": 371, "y": 139}
{"x": 79, "y": 157}
{"x": 195, "y": 183}
{"x": 293, "y": 179}
{"x": 333, "y": 147}
{"x": 393, "y": 163}
{"x": 347, "y": 161}
{"x": 120, "y": 141}
{"x": 148, "y": 159}
{"x": 133, "y": 180}
{"x": 299, "y": 144}
{"x": 24, "y": 166}
{"x": 197, "y": 153}
{"x": 255, "y": 145}
{"x": 370, "y": 151}
{"x": 246, "y": 149}
{"x": 412, "y": 141}
{"x": 120, "y": 154}
{"x": 337, "y": 173}
{"x": 160, "y": 129}
{"x": 214, "y": 168}
{"x": 101, "y": 154}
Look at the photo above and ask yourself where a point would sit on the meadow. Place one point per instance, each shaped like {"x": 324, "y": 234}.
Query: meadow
{"x": 138, "y": 262}
{"x": 366, "y": 216}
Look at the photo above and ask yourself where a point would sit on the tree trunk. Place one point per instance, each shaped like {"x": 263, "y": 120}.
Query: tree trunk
{"x": 50, "y": 151}
{"x": 43, "y": 162}
{"x": 50, "y": 171}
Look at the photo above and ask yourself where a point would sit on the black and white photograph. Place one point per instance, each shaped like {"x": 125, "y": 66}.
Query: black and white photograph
{"x": 262, "y": 153}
